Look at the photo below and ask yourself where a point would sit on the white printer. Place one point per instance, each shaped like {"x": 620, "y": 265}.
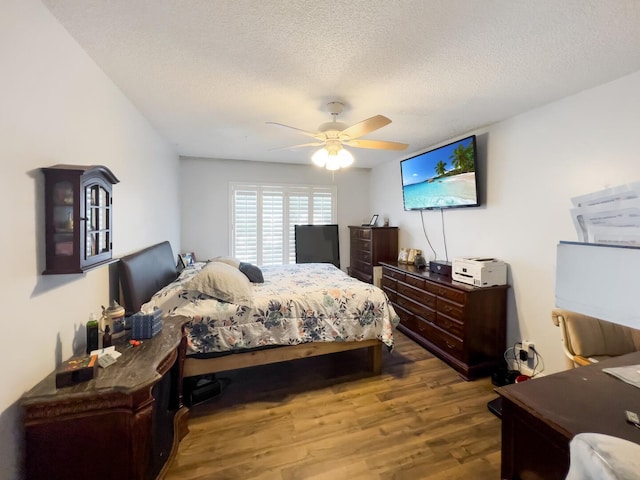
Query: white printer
{"x": 479, "y": 271}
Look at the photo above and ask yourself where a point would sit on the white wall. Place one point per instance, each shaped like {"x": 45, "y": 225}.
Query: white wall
{"x": 204, "y": 192}
{"x": 530, "y": 167}
{"x": 59, "y": 107}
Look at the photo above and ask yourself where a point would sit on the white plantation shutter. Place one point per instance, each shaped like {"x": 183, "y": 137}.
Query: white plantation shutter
{"x": 322, "y": 207}
{"x": 263, "y": 218}
{"x": 299, "y": 205}
{"x": 272, "y": 226}
{"x": 245, "y": 208}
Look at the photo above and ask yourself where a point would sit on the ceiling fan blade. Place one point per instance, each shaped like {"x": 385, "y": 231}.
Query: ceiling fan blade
{"x": 364, "y": 127}
{"x": 319, "y": 136}
{"x": 381, "y": 144}
{"x": 312, "y": 144}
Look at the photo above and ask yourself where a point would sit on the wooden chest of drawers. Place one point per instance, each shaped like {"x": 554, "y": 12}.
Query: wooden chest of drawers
{"x": 463, "y": 325}
{"x": 368, "y": 247}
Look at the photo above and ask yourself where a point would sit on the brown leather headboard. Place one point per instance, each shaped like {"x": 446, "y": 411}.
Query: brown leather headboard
{"x": 144, "y": 273}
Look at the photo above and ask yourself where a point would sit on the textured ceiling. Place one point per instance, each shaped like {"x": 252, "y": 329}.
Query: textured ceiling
{"x": 208, "y": 74}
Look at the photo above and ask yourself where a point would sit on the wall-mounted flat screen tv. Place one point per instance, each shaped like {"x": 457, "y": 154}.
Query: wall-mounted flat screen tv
{"x": 444, "y": 177}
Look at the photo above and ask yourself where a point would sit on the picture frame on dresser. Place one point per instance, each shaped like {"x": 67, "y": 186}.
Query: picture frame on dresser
{"x": 374, "y": 220}
{"x": 186, "y": 259}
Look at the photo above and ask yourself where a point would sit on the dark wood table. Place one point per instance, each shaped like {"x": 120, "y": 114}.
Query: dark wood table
{"x": 125, "y": 423}
{"x": 541, "y": 416}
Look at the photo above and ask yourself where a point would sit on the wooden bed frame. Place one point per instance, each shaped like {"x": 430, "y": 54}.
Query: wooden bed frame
{"x": 145, "y": 272}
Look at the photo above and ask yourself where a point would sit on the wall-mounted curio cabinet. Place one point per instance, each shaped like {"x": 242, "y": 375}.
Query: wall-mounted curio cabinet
{"x": 78, "y": 217}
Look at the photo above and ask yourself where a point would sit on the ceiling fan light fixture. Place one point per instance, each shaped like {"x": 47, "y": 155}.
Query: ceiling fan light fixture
{"x": 333, "y": 162}
{"x": 332, "y": 158}
{"x": 334, "y": 135}
{"x": 345, "y": 158}
{"x": 320, "y": 157}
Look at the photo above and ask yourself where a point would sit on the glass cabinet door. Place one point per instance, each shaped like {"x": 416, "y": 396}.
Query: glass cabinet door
{"x": 63, "y": 218}
{"x": 98, "y": 225}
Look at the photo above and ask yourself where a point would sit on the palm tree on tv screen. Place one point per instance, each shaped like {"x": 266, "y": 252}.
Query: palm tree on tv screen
{"x": 462, "y": 158}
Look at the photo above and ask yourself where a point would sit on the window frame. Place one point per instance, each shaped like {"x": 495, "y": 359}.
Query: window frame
{"x": 288, "y": 190}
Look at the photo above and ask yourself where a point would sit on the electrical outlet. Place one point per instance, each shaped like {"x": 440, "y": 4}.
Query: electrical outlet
{"x": 528, "y": 347}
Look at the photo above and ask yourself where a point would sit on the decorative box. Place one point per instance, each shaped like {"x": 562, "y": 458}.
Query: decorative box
{"x": 76, "y": 369}
{"x": 146, "y": 325}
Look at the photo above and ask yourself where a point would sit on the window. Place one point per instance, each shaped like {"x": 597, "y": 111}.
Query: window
{"x": 263, "y": 219}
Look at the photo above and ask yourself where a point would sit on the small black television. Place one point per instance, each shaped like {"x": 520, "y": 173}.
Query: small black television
{"x": 444, "y": 177}
{"x": 317, "y": 244}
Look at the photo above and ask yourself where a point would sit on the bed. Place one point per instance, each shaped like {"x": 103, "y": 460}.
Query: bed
{"x": 299, "y": 311}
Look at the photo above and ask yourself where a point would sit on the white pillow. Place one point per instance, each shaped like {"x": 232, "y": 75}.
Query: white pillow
{"x": 234, "y": 262}
{"x": 223, "y": 282}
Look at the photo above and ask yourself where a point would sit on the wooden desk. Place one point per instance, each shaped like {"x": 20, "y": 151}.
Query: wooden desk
{"x": 541, "y": 416}
{"x": 123, "y": 424}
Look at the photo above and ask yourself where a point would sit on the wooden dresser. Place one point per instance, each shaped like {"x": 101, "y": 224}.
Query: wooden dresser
{"x": 369, "y": 246}
{"x": 463, "y": 325}
{"x": 125, "y": 423}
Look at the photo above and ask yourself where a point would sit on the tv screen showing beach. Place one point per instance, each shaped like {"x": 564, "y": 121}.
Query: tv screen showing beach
{"x": 441, "y": 178}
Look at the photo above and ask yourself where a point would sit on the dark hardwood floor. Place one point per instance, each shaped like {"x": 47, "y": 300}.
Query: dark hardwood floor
{"x": 327, "y": 418}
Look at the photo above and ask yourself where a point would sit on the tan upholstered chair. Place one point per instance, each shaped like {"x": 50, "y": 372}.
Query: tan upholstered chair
{"x": 587, "y": 339}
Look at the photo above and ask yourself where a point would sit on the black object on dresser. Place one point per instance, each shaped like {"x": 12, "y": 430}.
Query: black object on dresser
{"x": 463, "y": 325}
{"x": 370, "y": 246}
{"x": 125, "y": 423}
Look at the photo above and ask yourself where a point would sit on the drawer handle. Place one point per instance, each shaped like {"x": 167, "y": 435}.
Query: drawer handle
{"x": 449, "y": 345}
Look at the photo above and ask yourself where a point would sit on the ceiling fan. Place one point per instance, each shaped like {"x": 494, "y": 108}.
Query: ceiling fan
{"x": 333, "y": 135}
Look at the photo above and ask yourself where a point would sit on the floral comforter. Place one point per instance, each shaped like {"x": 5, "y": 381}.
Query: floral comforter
{"x": 311, "y": 302}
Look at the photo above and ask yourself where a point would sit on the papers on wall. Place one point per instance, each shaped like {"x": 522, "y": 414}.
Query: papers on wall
{"x": 629, "y": 374}
{"x": 610, "y": 216}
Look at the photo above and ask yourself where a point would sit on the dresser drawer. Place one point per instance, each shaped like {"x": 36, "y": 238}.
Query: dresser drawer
{"x": 441, "y": 339}
{"x": 449, "y": 293}
{"x": 415, "y": 281}
{"x": 358, "y": 264}
{"x": 364, "y": 233}
{"x": 451, "y": 309}
{"x": 389, "y": 282}
{"x": 420, "y": 296}
{"x": 365, "y": 276}
{"x": 364, "y": 255}
{"x": 360, "y": 244}
{"x": 416, "y": 308}
{"x": 393, "y": 273}
{"x": 391, "y": 293}
{"x": 450, "y": 325}
{"x": 407, "y": 318}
